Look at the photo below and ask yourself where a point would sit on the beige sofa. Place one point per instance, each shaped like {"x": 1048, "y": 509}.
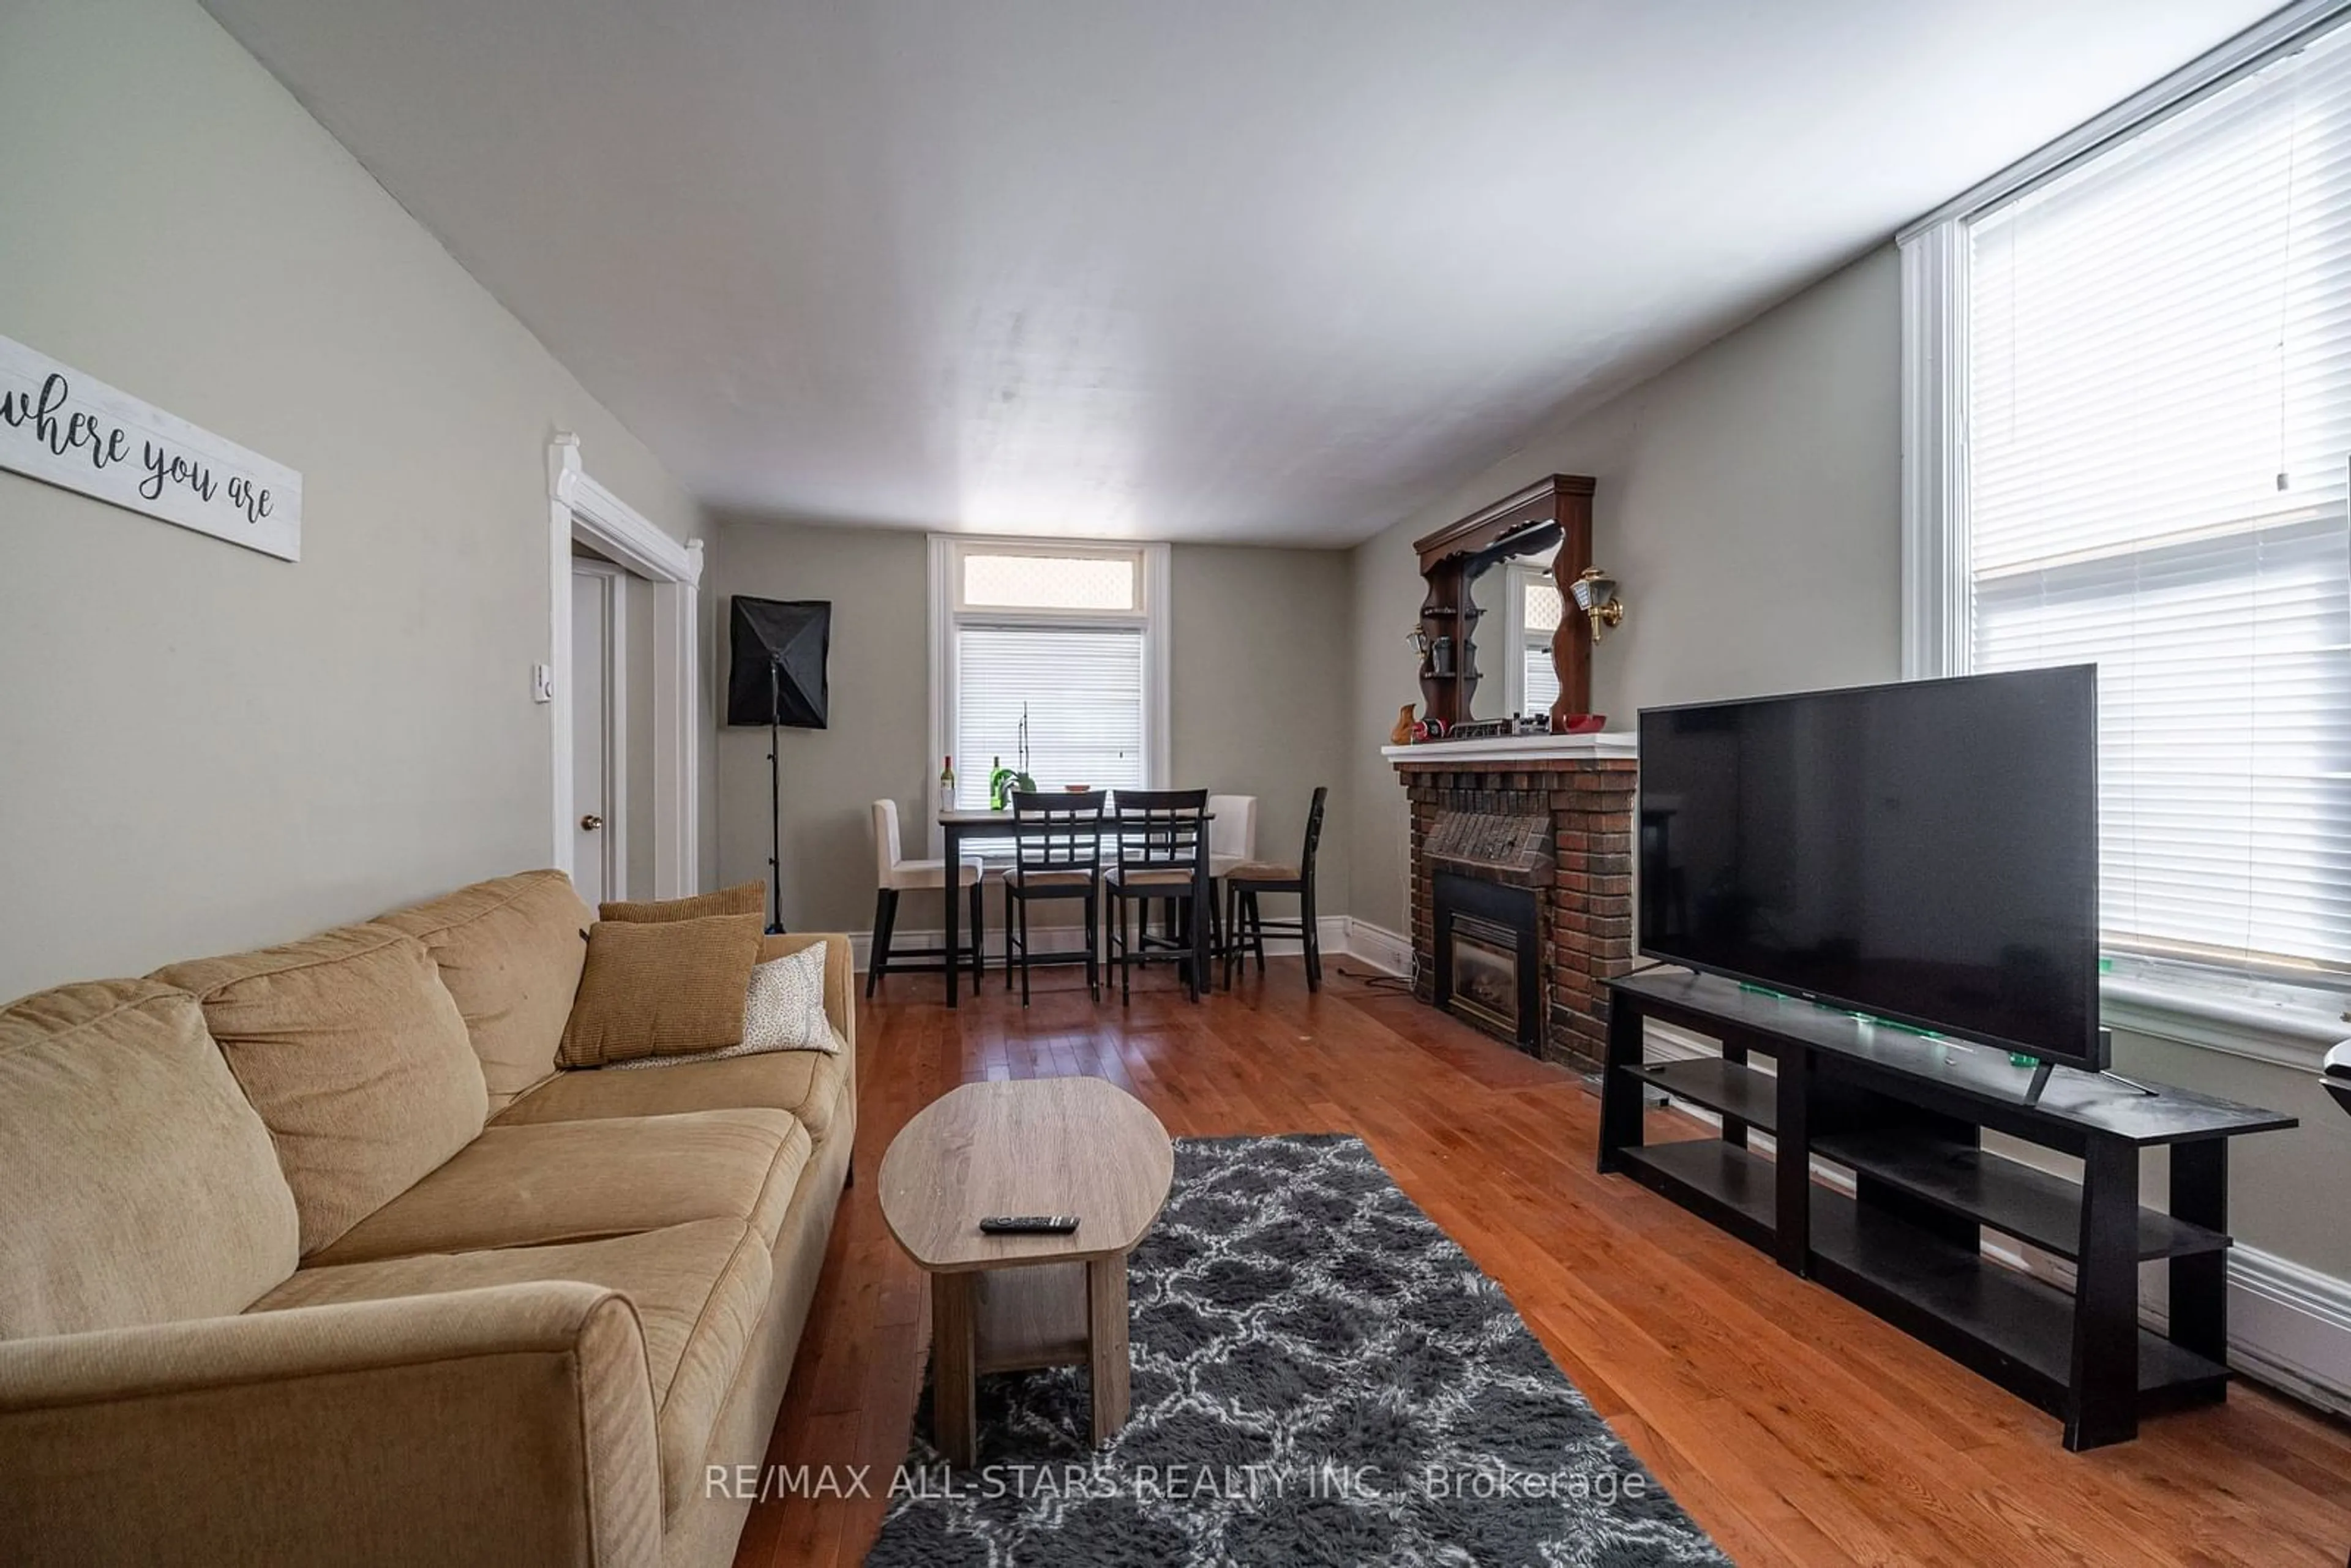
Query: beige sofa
{"x": 313, "y": 1255}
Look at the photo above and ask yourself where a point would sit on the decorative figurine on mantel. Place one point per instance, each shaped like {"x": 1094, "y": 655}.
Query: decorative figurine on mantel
{"x": 1402, "y": 734}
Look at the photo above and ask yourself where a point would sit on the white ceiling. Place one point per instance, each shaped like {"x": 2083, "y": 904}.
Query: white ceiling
{"x": 1274, "y": 271}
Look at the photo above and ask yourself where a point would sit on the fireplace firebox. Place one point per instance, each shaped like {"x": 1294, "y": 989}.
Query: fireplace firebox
{"x": 1489, "y": 957}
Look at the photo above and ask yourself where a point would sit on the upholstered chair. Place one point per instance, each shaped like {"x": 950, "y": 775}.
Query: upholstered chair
{"x": 894, "y": 874}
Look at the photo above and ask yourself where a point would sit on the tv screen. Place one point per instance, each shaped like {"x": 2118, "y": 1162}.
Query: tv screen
{"x": 1926, "y": 853}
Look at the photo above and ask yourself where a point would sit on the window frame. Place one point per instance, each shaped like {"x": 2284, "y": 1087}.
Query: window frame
{"x": 949, "y": 614}
{"x": 2242, "y": 1007}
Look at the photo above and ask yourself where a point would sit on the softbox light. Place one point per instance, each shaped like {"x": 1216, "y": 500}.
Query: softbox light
{"x": 776, "y": 672}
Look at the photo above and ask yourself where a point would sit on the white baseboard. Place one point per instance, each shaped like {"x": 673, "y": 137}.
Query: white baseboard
{"x": 1377, "y": 945}
{"x": 2289, "y": 1326}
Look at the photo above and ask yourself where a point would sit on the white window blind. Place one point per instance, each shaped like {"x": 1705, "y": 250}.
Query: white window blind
{"x": 1539, "y": 613}
{"x": 2158, "y": 414}
{"x": 1084, "y": 692}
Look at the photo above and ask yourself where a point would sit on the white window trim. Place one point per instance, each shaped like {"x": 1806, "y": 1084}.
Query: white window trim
{"x": 947, "y": 613}
{"x": 1934, "y": 609}
{"x": 579, "y": 508}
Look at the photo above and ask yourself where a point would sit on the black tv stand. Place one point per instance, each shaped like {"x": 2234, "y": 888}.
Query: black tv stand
{"x": 1905, "y": 1114}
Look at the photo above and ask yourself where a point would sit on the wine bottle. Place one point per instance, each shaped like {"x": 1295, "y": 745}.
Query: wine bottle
{"x": 947, "y": 784}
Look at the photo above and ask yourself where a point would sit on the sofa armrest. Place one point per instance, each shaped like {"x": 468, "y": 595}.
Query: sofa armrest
{"x": 840, "y": 975}
{"x": 503, "y": 1427}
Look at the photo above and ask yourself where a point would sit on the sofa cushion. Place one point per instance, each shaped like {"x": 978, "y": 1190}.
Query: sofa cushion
{"x": 662, "y": 988}
{"x": 353, "y": 1051}
{"x": 140, "y": 1185}
{"x": 510, "y": 952}
{"x": 744, "y": 898}
{"x": 561, "y": 1182}
{"x": 812, "y": 1085}
{"x": 699, "y": 1289}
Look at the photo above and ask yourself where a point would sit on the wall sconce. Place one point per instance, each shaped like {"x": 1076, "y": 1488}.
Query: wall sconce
{"x": 1594, "y": 592}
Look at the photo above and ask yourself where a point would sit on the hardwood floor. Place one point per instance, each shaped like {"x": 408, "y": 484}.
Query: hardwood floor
{"x": 1795, "y": 1427}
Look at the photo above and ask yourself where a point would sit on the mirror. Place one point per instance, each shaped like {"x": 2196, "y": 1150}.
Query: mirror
{"x": 1490, "y": 591}
{"x": 1519, "y": 608}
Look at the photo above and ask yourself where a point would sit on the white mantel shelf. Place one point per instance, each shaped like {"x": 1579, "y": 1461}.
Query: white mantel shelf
{"x": 1608, "y": 743}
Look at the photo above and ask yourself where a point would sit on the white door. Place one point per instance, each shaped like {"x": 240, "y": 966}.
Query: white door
{"x": 595, "y": 749}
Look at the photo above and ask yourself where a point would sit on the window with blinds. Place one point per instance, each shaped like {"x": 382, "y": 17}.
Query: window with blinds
{"x": 1066, "y": 635}
{"x": 2157, "y": 415}
{"x": 1081, "y": 690}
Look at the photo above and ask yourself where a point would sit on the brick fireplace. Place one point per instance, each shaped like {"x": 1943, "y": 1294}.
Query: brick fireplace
{"x": 1549, "y": 815}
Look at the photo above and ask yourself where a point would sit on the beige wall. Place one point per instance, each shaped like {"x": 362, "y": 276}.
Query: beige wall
{"x": 878, "y": 742}
{"x": 1261, "y": 644}
{"x": 1749, "y": 502}
{"x": 1259, "y": 641}
{"x": 202, "y": 747}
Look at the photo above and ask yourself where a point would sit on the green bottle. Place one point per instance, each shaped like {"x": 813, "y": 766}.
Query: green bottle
{"x": 1000, "y": 785}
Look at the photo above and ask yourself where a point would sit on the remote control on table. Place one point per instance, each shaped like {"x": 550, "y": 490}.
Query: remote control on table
{"x": 1028, "y": 1224}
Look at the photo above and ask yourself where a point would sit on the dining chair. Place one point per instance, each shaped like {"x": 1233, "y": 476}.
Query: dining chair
{"x": 1250, "y": 881}
{"x": 1057, "y": 854}
{"x": 894, "y": 874}
{"x": 1158, "y": 836}
{"x": 1232, "y": 840}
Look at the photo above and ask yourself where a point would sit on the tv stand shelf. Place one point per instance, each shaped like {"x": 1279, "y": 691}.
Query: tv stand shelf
{"x": 1904, "y": 1114}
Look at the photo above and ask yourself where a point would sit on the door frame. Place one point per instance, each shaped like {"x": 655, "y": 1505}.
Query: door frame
{"x": 580, "y": 509}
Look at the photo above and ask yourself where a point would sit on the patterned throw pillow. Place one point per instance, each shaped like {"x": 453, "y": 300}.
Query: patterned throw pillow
{"x": 782, "y": 1010}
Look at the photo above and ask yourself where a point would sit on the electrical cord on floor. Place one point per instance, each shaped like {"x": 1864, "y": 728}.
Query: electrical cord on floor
{"x": 1374, "y": 980}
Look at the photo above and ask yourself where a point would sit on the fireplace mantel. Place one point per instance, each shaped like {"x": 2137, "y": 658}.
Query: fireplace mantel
{"x": 1467, "y": 755}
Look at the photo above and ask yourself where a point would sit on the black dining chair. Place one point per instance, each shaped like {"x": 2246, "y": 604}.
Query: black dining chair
{"x": 1246, "y": 927}
{"x": 1057, "y": 854}
{"x": 1160, "y": 837}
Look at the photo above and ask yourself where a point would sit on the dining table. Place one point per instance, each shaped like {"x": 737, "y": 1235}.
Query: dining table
{"x": 959, "y": 826}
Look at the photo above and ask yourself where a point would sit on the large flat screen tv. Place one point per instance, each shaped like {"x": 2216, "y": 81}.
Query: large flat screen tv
{"x": 1925, "y": 852}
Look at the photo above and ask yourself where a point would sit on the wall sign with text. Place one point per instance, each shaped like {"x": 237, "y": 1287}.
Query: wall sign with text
{"x": 73, "y": 431}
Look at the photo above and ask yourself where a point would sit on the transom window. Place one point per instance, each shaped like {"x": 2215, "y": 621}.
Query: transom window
{"x": 1005, "y": 580}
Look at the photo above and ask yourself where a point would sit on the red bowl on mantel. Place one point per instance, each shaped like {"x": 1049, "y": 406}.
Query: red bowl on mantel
{"x": 1586, "y": 723}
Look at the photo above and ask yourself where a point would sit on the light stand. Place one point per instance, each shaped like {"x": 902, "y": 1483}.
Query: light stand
{"x": 775, "y": 680}
{"x": 775, "y": 801}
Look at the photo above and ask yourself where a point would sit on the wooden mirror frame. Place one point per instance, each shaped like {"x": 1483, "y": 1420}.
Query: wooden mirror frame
{"x": 1558, "y": 510}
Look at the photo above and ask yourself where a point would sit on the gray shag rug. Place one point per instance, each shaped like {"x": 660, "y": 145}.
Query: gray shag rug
{"x": 1321, "y": 1377}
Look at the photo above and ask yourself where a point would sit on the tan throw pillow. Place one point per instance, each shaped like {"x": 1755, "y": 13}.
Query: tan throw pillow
{"x": 784, "y": 1010}
{"x": 356, "y": 1058}
{"x": 748, "y": 898}
{"x": 665, "y": 989}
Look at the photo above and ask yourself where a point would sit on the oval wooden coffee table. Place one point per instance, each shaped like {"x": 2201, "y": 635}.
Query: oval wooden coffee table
{"x": 1006, "y": 1303}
